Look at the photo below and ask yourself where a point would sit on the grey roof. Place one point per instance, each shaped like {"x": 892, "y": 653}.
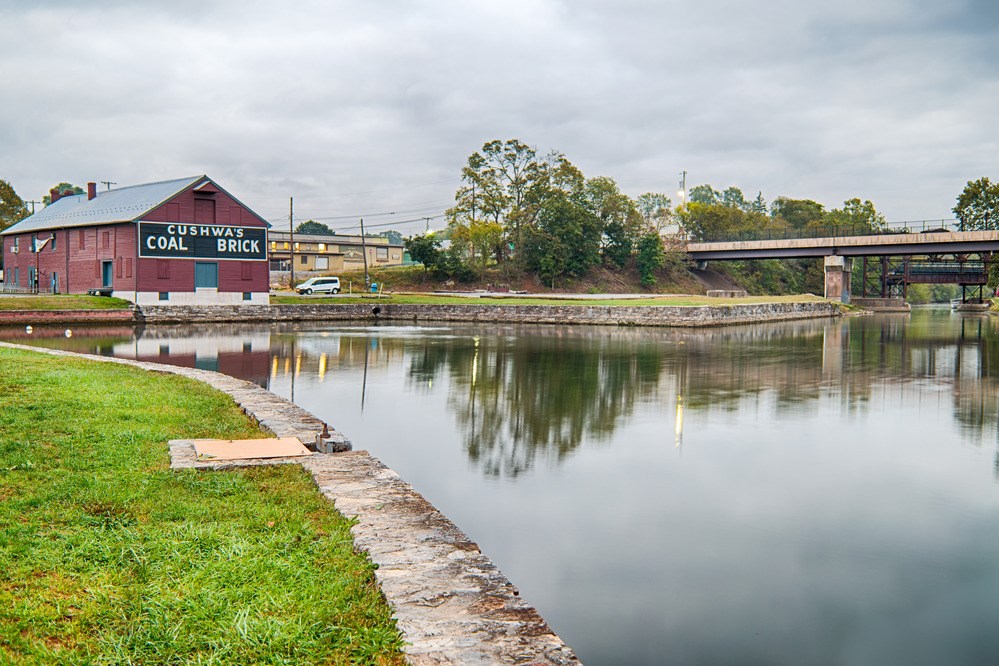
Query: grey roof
{"x": 124, "y": 204}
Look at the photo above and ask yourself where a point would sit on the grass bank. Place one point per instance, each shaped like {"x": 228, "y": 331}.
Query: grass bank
{"x": 62, "y": 302}
{"x": 108, "y": 556}
{"x": 500, "y": 300}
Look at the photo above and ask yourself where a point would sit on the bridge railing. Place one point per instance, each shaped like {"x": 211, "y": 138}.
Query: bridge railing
{"x": 827, "y": 231}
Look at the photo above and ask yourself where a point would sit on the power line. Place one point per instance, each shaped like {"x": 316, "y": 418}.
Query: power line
{"x": 351, "y": 194}
{"x": 354, "y": 216}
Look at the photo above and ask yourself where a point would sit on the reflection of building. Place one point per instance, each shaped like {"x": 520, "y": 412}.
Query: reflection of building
{"x": 315, "y": 252}
{"x": 245, "y": 355}
{"x": 176, "y": 242}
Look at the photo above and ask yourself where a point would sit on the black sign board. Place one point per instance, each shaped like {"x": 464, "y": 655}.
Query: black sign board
{"x": 178, "y": 240}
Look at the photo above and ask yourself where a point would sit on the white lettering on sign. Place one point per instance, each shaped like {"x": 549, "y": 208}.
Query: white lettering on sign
{"x": 242, "y": 245}
{"x": 166, "y": 243}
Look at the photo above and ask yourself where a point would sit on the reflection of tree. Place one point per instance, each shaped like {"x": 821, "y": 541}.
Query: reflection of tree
{"x": 526, "y": 398}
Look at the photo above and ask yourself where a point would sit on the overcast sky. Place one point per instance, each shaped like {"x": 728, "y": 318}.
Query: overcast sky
{"x": 365, "y": 108}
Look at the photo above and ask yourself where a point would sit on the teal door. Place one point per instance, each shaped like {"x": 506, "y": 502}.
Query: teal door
{"x": 206, "y": 275}
{"x": 107, "y": 272}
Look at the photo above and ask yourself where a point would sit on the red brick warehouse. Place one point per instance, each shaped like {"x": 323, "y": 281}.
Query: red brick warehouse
{"x": 179, "y": 242}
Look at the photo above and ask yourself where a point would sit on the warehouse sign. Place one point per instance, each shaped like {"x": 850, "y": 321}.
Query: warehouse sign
{"x": 170, "y": 240}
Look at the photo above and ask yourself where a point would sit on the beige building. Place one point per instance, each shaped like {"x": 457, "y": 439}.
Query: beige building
{"x": 333, "y": 254}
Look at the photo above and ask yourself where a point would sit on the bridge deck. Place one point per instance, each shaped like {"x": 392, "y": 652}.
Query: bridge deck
{"x": 949, "y": 242}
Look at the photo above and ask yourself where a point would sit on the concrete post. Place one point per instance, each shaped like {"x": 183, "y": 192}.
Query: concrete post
{"x": 838, "y": 278}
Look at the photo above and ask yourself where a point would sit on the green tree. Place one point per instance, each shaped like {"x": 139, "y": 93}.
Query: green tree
{"x": 978, "y": 205}
{"x": 63, "y": 189}
{"x": 650, "y": 257}
{"x": 478, "y": 239}
{"x": 715, "y": 222}
{"x": 313, "y": 227}
{"x": 656, "y": 209}
{"x": 734, "y": 198}
{"x": 797, "y": 213}
{"x": 759, "y": 204}
{"x": 619, "y": 218}
{"x": 12, "y": 208}
{"x": 704, "y": 194}
{"x": 855, "y": 217}
{"x": 393, "y": 236}
{"x": 425, "y": 249}
{"x": 565, "y": 241}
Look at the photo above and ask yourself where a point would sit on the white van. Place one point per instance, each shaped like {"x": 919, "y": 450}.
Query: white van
{"x": 319, "y": 285}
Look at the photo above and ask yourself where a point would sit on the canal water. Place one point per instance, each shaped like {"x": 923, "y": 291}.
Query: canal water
{"x": 819, "y": 492}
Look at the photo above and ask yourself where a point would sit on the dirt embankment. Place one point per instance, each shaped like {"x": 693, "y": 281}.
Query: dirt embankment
{"x": 712, "y": 279}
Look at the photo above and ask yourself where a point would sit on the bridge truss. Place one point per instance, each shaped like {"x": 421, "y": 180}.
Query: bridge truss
{"x": 889, "y": 276}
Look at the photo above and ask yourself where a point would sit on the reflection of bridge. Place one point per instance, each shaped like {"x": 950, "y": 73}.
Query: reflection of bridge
{"x": 883, "y": 255}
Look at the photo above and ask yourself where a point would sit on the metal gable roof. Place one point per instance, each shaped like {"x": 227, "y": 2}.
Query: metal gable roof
{"x": 123, "y": 204}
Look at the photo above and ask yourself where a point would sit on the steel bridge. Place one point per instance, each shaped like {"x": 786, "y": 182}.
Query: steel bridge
{"x": 891, "y": 260}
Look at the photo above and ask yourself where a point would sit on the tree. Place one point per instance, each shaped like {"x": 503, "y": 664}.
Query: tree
{"x": 565, "y": 241}
{"x": 425, "y": 249}
{"x": 797, "y": 213}
{"x": 758, "y": 205}
{"x": 64, "y": 189}
{"x": 655, "y": 209}
{"x": 12, "y": 208}
{"x": 855, "y": 217}
{"x": 619, "y": 219}
{"x": 478, "y": 239}
{"x": 715, "y": 222}
{"x": 704, "y": 194}
{"x": 313, "y": 227}
{"x": 978, "y": 205}
{"x": 733, "y": 198}
{"x": 393, "y": 236}
{"x": 650, "y": 257}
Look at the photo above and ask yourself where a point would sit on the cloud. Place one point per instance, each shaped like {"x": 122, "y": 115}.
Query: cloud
{"x": 356, "y": 107}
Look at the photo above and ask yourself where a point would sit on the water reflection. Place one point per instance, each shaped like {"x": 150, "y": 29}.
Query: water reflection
{"x": 522, "y": 394}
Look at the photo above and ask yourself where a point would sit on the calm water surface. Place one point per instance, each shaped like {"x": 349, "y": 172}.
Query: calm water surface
{"x": 796, "y": 493}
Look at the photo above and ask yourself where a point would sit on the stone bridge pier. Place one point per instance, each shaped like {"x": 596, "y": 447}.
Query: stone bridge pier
{"x": 837, "y": 271}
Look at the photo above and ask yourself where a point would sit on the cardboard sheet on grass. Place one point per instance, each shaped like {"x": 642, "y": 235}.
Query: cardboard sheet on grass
{"x": 240, "y": 449}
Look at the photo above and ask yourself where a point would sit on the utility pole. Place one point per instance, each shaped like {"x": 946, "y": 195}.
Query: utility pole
{"x": 32, "y": 205}
{"x": 108, "y": 183}
{"x": 364, "y": 253}
{"x": 291, "y": 241}
{"x": 428, "y": 224}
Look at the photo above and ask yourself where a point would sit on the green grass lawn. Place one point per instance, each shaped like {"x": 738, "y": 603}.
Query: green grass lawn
{"x": 431, "y": 299}
{"x": 62, "y": 302}
{"x": 109, "y": 557}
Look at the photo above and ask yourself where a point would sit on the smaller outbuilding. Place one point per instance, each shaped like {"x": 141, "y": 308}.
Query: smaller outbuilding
{"x": 175, "y": 242}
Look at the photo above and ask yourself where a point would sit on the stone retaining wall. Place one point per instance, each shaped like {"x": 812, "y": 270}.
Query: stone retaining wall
{"x": 881, "y": 304}
{"x": 622, "y": 315}
{"x": 36, "y": 317}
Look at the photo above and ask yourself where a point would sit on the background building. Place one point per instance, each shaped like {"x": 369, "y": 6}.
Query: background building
{"x": 332, "y": 254}
{"x": 173, "y": 242}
